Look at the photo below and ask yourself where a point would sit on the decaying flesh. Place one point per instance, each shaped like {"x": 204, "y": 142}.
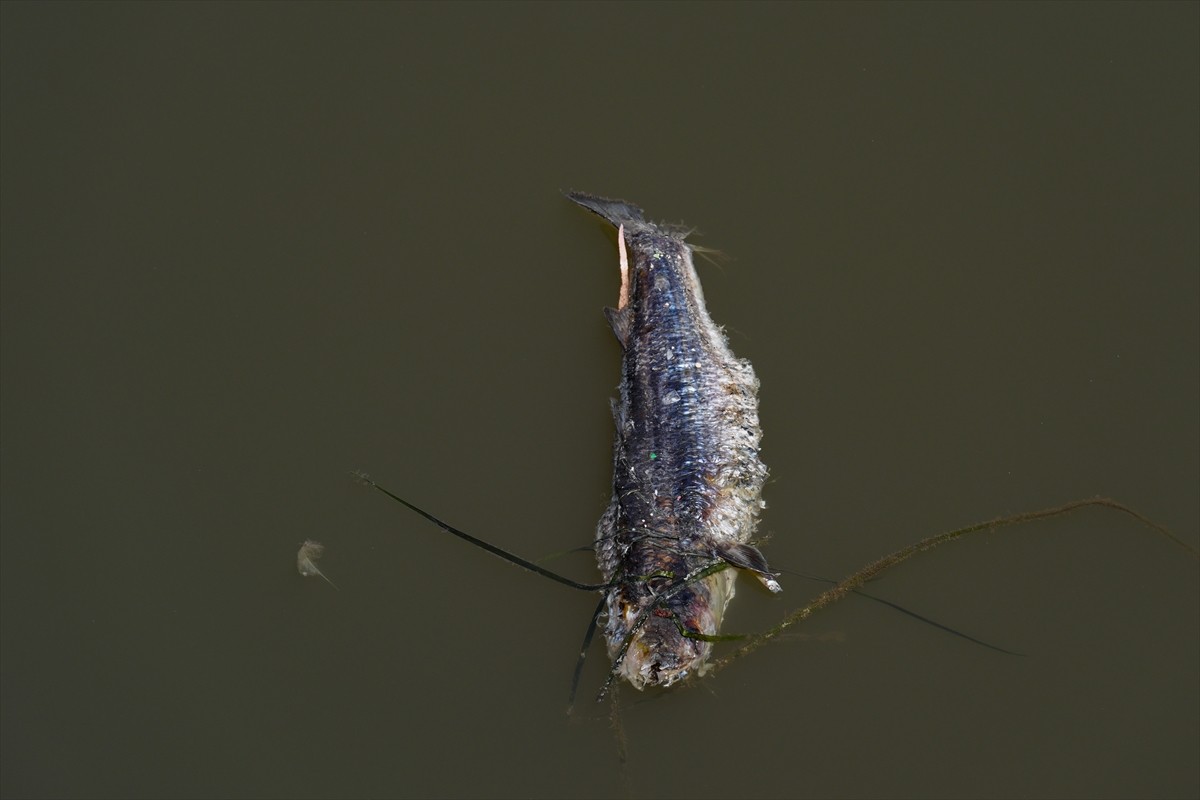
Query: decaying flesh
{"x": 687, "y": 479}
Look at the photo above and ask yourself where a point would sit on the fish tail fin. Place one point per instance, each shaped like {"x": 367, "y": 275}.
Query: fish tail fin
{"x": 618, "y": 212}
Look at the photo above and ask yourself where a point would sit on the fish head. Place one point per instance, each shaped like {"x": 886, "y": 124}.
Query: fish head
{"x": 663, "y": 647}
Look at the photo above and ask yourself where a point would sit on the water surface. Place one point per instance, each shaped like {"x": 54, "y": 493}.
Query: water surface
{"x": 247, "y": 249}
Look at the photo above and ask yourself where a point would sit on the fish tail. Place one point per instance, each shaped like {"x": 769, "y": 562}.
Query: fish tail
{"x": 618, "y": 212}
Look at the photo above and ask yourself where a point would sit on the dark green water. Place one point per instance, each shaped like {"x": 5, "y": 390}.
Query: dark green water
{"x": 248, "y": 248}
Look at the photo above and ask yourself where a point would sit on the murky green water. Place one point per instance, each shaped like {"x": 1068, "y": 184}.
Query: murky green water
{"x": 247, "y": 249}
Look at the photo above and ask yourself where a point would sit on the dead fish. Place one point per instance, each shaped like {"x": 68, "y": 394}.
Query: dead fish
{"x": 687, "y": 477}
{"x": 306, "y": 560}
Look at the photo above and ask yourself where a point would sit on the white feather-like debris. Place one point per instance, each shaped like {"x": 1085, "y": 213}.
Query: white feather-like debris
{"x": 770, "y": 582}
{"x": 306, "y": 560}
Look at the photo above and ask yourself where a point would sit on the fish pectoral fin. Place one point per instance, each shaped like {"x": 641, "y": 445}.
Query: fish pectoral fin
{"x": 747, "y": 556}
{"x": 621, "y": 321}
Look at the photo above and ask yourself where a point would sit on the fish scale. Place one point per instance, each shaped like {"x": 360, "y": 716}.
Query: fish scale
{"x": 687, "y": 479}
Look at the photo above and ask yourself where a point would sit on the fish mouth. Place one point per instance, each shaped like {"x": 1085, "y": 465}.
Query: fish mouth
{"x": 660, "y": 655}
{"x": 663, "y": 648}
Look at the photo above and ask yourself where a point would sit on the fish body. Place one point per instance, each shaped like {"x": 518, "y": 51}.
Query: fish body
{"x": 687, "y": 478}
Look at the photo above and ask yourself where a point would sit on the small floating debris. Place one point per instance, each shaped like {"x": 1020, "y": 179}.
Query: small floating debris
{"x": 306, "y": 560}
